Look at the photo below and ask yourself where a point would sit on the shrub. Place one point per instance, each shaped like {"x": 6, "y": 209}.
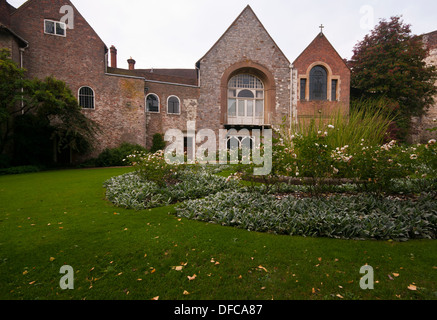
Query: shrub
{"x": 114, "y": 157}
{"x": 158, "y": 143}
{"x": 343, "y": 217}
{"x": 132, "y": 191}
{"x": 20, "y": 170}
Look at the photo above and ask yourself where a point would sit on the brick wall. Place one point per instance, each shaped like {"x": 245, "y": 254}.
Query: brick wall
{"x": 321, "y": 52}
{"x": 79, "y": 59}
{"x": 162, "y": 121}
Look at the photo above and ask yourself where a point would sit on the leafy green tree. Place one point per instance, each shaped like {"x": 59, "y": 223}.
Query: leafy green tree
{"x": 389, "y": 63}
{"x": 48, "y": 106}
{"x": 12, "y": 85}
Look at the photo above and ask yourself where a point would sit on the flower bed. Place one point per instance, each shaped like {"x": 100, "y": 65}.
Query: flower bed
{"x": 338, "y": 216}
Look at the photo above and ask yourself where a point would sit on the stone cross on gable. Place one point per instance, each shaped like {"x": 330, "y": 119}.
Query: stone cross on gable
{"x": 321, "y": 28}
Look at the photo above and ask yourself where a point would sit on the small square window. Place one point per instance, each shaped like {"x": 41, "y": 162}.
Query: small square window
{"x": 55, "y": 28}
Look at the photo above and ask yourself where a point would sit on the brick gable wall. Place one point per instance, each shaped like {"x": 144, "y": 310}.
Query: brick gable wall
{"x": 79, "y": 59}
{"x": 321, "y": 52}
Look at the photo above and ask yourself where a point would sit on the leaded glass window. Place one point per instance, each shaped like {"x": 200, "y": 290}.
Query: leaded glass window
{"x": 86, "y": 98}
{"x": 318, "y": 83}
{"x": 245, "y": 100}
{"x": 152, "y": 103}
{"x": 334, "y": 90}
{"x": 173, "y": 105}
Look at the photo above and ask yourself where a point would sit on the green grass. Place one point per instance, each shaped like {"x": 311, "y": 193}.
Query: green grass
{"x": 124, "y": 254}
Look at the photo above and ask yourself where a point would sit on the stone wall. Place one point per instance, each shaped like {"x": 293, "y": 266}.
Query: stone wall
{"x": 420, "y": 126}
{"x": 245, "y": 47}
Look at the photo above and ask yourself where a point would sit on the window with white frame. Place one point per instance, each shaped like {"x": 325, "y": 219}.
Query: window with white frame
{"x": 86, "y": 98}
{"x": 152, "y": 103}
{"x": 245, "y": 100}
{"x": 56, "y": 28}
{"x": 173, "y": 105}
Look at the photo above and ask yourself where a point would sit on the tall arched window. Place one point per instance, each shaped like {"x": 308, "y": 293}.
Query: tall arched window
{"x": 173, "y": 105}
{"x": 152, "y": 103}
{"x": 86, "y": 98}
{"x": 245, "y": 100}
{"x": 318, "y": 83}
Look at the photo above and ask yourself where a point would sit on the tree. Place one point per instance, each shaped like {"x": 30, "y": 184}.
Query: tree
{"x": 12, "y": 85}
{"x": 389, "y": 63}
{"x": 46, "y": 106}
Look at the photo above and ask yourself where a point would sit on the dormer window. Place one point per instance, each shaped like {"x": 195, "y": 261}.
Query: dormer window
{"x": 56, "y": 28}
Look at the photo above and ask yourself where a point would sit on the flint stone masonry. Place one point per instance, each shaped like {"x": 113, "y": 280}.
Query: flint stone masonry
{"x": 246, "y": 44}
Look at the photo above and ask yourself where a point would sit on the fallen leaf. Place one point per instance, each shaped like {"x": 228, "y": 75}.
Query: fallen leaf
{"x": 153, "y": 270}
{"x": 178, "y": 268}
{"x": 25, "y": 272}
{"x": 395, "y": 274}
{"x": 192, "y": 278}
{"x": 186, "y": 293}
{"x": 261, "y": 267}
{"x": 412, "y": 287}
{"x": 320, "y": 259}
{"x": 52, "y": 259}
{"x": 155, "y": 298}
{"x": 32, "y": 282}
{"x": 339, "y": 295}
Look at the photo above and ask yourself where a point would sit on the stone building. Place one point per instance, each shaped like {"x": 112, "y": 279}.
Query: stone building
{"x": 421, "y": 126}
{"x": 243, "y": 81}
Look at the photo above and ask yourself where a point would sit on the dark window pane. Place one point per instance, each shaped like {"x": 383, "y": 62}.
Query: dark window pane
{"x": 303, "y": 86}
{"x": 50, "y": 27}
{"x": 86, "y": 98}
{"x": 60, "y": 29}
{"x": 334, "y": 90}
{"x": 246, "y": 94}
{"x": 173, "y": 105}
{"x": 152, "y": 103}
{"x": 318, "y": 83}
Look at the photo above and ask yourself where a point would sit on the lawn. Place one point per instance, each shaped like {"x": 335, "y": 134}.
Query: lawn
{"x": 53, "y": 218}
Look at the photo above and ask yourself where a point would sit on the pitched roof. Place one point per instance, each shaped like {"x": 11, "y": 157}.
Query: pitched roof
{"x": 321, "y": 37}
{"x": 248, "y": 8}
{"x": 176, "y": 76}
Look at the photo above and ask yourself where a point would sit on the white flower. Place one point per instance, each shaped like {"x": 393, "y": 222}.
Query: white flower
{"x": 432, "y": 141}
{"x": 413, "y": 156}
{"x": 330, "y": 126}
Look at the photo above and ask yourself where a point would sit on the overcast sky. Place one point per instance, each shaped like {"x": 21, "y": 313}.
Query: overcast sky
{"x": 177, "y": 33}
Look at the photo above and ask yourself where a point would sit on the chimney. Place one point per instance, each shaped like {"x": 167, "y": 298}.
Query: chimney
{"x": 113, "y": 57}
{"x": 131, "y": 63}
